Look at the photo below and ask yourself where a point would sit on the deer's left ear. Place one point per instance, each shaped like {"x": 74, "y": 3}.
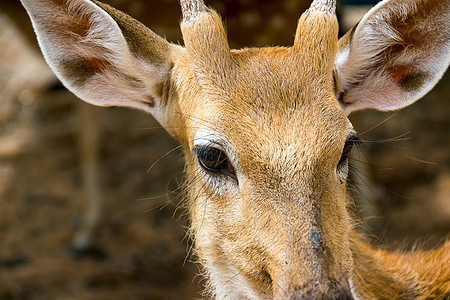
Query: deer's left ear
{"x": 396, "y": 54}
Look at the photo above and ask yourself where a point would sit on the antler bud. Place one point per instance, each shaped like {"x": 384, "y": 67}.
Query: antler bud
{"x": 316, "y": 36}
{"x": 326, "y": 6}
{"x": 204, "y": 36}
{"x": 191, "y": 9}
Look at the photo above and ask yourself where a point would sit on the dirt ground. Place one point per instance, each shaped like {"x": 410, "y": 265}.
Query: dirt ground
{"x": 140, "y": 250}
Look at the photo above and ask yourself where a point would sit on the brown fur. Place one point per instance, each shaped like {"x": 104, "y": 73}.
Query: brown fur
{"x": 416, "y": 274}
{"x": 279, "y": 227}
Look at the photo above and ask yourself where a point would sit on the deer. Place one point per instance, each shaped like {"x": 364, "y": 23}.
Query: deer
{"x": 265, "y": 134}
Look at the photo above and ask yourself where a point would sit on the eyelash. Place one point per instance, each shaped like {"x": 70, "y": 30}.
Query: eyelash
{"x": 348, "y": 146}
{"x": 342, "y": 168}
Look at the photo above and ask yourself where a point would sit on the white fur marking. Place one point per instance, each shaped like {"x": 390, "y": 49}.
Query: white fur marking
{"x": 206, "y": 137}
{"x": 353, "y": 290}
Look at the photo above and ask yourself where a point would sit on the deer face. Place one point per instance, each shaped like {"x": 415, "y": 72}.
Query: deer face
{"x": 264, "y": 131}
{"x": 266, "y": 153}
{"x": 267, "y": 190}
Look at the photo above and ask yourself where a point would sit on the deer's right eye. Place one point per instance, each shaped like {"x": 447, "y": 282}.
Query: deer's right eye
{"x": 214, "y": 161}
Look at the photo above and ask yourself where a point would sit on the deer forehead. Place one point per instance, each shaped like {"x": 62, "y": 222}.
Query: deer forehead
{"x": 265, "y": 112}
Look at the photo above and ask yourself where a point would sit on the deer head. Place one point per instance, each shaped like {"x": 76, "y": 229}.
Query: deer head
{"x": 265, "y": 131}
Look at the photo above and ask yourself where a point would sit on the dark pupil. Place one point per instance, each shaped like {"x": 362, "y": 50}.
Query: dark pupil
{"x": 212, "y": 159}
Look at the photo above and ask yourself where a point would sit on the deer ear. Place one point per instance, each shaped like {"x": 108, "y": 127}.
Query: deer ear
{"x": 102, "y": 55}
{"x": 394, "y": 56}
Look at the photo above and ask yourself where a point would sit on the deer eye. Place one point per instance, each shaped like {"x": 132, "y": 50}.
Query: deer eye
{"x": 348, "y": 146}
{"x": 214, "y": 161}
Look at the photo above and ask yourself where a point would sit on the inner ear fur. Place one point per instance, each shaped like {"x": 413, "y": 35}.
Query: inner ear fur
{"x": 394, "y": 56}
{"x": 101, "y": 54}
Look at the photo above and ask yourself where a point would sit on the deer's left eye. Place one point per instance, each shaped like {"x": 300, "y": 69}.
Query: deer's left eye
{"x": 342, "y": 166}
{"x": 348, "y": 146}
{"x": 214, "y": 161}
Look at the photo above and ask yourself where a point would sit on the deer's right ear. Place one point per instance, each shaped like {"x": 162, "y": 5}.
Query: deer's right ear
{"x": 394, "y": 56}
{"x": 102, "y": 55}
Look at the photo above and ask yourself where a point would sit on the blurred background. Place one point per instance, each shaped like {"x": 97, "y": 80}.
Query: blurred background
{"x": 139, "y": 248}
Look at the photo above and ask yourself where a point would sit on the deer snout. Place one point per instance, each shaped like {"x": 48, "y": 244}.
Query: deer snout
{"x": 315, "y": 268}
{"x": 330, "y": 291}
{"x": 311, "y": 277}
{"x": 343, "y": 295}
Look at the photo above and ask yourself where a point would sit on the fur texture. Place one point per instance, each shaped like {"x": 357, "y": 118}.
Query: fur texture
{"x": 273, "y": 221}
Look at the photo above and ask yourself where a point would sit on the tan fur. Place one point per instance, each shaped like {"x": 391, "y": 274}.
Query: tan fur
{"x": 276, "y": 226}
{"x": 402, "y": 275}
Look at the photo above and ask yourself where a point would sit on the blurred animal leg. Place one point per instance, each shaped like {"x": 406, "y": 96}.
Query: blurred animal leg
{"x": 88, "y": 143}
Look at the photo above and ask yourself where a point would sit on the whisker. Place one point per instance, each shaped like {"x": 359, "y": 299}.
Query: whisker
{"x": 380, "y": 123}
{"x": 419, "y": 160}
{"x": 163, "y": 156}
